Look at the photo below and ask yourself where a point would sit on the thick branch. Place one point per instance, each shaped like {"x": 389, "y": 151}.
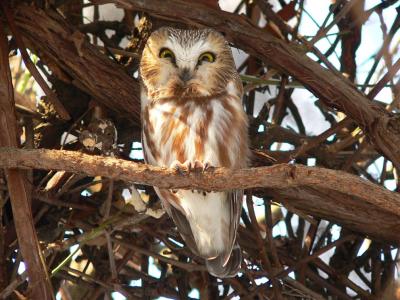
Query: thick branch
{"x": 324, "y": 193}
{"x": 334, "y": 91}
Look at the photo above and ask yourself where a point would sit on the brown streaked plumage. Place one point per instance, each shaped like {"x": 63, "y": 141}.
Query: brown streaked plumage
{"x": 192, "y": 114}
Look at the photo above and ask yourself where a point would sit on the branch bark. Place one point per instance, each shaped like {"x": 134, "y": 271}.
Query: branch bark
{"x": 334, "y": 90}
{"x": 334, "y": 195}
{"x": 39, "y": 281}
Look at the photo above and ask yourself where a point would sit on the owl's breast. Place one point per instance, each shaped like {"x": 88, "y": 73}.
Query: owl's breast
{"x": 209, "y": 131}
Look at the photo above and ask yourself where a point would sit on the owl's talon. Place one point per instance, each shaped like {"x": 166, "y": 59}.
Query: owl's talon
{"x": 200, "y": 167}
{"x": 196, "y": 167}
{"x": 180, "y": 168}
{"x": 208, "y": 167}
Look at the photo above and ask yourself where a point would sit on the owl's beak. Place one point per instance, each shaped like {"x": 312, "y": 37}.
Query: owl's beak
{"x": 185, "y": 75}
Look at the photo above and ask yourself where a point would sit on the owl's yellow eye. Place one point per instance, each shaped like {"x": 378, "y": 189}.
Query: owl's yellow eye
{"x": 207, "y": 57}
{"x": 166, "y": 53}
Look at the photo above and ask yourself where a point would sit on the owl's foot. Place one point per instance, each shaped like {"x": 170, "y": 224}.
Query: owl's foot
{"x": 200, "y": 167}
{"x": 190, "y": 167}
{"x": 196, "y": 167}
{"x": 181, "y": 168}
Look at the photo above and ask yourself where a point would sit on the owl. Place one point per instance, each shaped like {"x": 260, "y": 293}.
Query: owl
{"x": 193, "y": 119}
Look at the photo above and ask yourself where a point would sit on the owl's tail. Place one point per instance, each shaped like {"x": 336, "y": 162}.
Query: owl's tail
{"x": 221, "y": 268}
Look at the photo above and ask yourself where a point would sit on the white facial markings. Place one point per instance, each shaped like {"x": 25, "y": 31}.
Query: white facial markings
{"x": 187, "y": 56}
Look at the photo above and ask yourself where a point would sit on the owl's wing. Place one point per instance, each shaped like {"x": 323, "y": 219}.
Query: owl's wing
{"x": 228, "y": 263}
{"x": 177, "y": 215}
{"x": 235, "y": 199}
{"x": 147, "y": 154}
{"x": 184, "y": 229}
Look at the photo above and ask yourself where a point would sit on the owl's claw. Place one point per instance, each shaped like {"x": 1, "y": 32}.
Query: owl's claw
{"x": 196, "y": 167}
{"x": 200, "y": 167}
{"x": 180, "y": 168}
{"x": 189, "y": 166}
{"x": 208, "y": 167}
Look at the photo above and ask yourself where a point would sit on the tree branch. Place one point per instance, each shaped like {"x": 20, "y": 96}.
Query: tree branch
{"x": 329, "y": 194}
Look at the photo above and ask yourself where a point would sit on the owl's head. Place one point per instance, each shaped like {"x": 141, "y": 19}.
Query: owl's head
{"x": 192, "y": 63}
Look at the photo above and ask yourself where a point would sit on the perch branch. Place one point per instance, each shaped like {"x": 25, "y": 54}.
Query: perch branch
{"x": 324, "y": 193}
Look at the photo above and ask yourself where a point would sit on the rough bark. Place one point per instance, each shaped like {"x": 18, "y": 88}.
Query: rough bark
{"x": 329, "y": 194}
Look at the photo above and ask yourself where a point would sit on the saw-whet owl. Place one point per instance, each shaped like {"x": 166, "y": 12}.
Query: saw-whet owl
{"x": 193, "y": 118}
